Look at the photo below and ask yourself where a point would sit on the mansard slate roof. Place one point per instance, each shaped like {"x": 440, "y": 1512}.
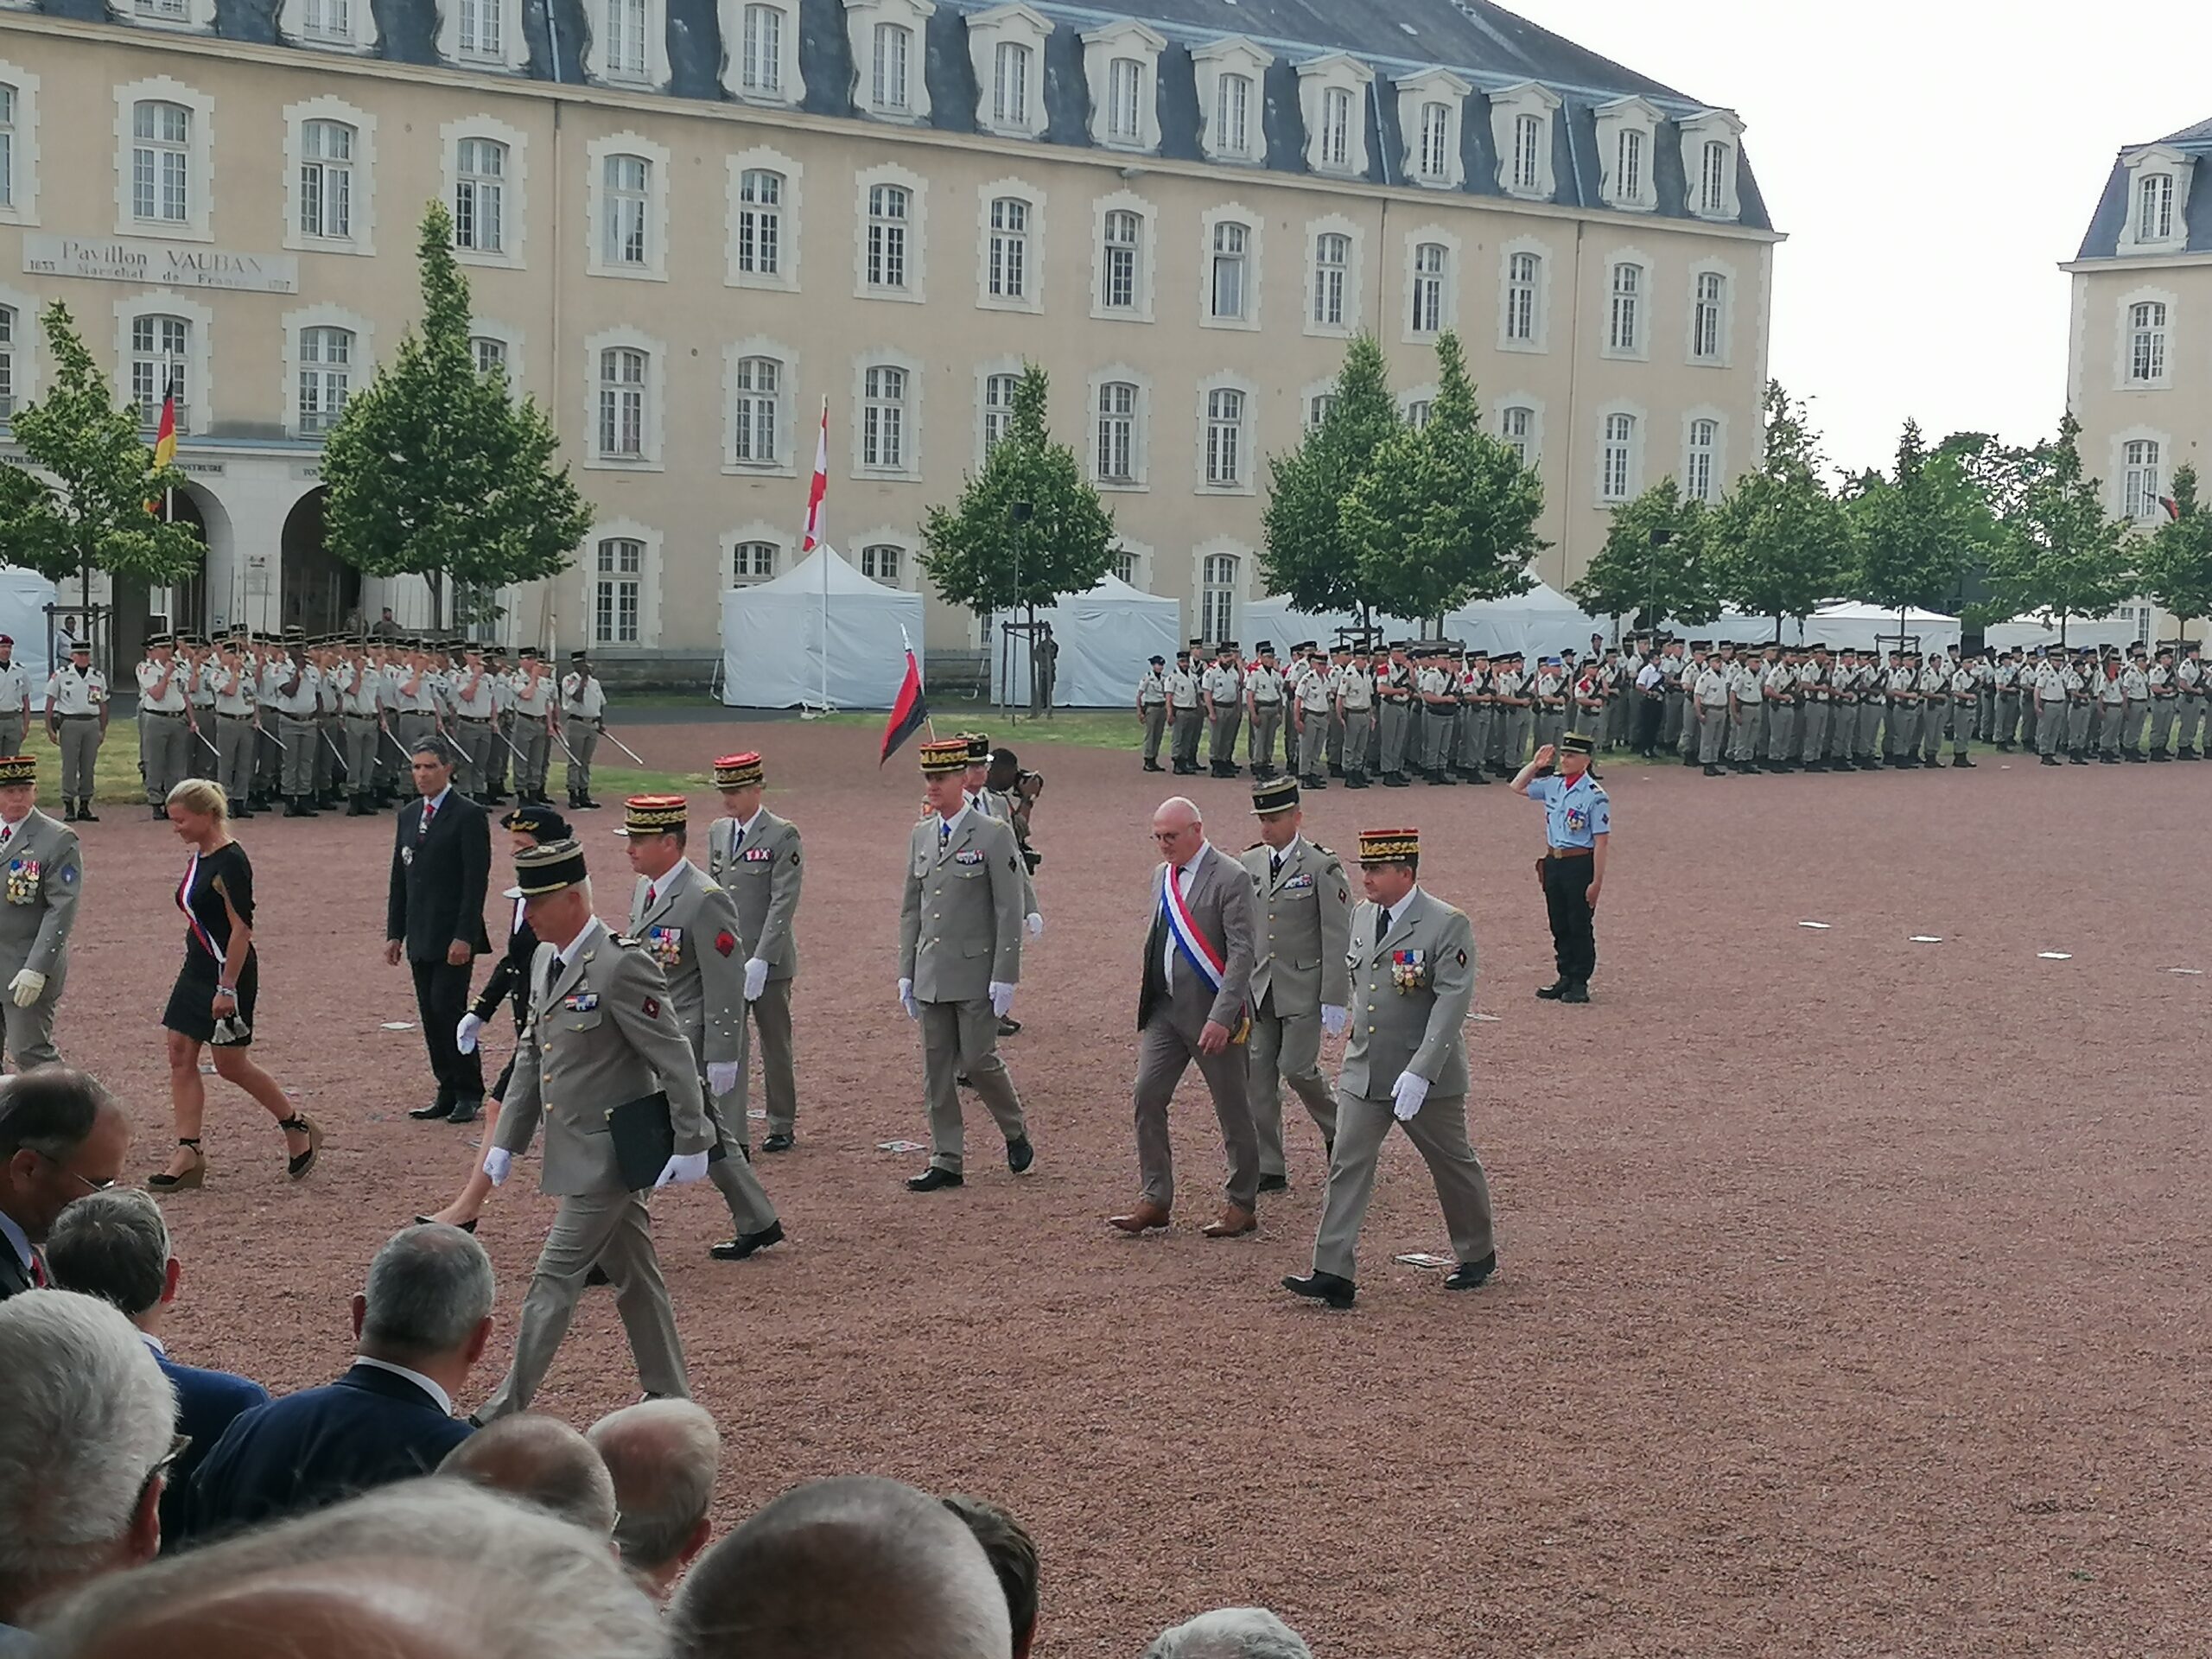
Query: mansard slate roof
{"x": 2103, "y": 241}
{"x": 1486, "y": 45}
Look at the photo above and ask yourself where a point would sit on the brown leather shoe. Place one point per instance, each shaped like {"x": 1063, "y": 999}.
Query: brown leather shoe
{"x": 1235, "y": 1222}
{"x": 1144, "y": 1218}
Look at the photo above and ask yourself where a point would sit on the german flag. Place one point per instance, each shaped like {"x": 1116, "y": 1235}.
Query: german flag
{"x": 165, "y": 435}
{"x": 908, "y": 712}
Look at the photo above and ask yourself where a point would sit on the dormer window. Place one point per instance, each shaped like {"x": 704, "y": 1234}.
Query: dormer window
{"x": 886, "y": 38}
{"x": 1010, "y": 78}
{"x": 1121, "y": 70}
{"x": 2154, "y": 208}
{"x": 1125, "y": 90}
{"x": 1521, "y": 126}
{"x": 890, "y": 67}
{"x": 2158, "y": 179}
{"x": 1232, "y": 78}
{"x": 1430, "y": 108}
{"x": 1627, "y": 129}
{"x": 1711, "y": 145}
{"x": 1435, "y": 125}
{"x": 1332, "y": 97}
{"x": 1006, "y": 48}
{"x": 761, "y": 54}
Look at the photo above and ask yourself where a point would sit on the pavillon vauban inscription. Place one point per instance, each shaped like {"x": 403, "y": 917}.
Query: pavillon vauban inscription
{"x": 159, "y": 265}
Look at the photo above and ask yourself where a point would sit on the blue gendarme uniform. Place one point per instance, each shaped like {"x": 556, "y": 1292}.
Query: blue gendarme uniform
{"x": 1575, "y": 814}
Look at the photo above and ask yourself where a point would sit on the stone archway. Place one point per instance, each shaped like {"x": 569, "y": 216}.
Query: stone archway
{"x": 138, "y": 607}
{"x": 318, "y": 591}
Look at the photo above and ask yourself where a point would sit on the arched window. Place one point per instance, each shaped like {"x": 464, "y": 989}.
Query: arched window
{"x": 752, "y": 561}
{"x": 1517, "y": 425}
{"x": 1713, "y": 178}
{"x": 326, "y": 377}
{"x": 760, "y": 69}
{"x": 1435, "y": 155}
{"x": 883, "y": 418}
{"x": 1528, "y": 153}
{"x": 327, "y": 179}
{"x": 1627, "y": 331}
{"x": 626, "y": 180}
{"x": 998, "y": 407}
{"x": 1332, "y": 269}
{"x": 760, "y": 223}
{"x": 1117, "y": 432}
{"x": 625, "y": 38}
{"x": 1121, "y": 248}
{"x": 1627, "y": 166}
{"x": 2154, "y": 208}
{"x": 618, "y": 590}
{"x": 883, "y": 563}
{"x": 1707, "y": 317}
{"x": 1418, "y": 411}
{"x": 1425, "y": 314}
{"x": 1616, "y": 458}
{"x": 1232, "y": 117}
{"x": 2146, "y": 342}
{"x": 1009, "y": 261}
{"x": 1336, "y": 126}
{"x": 1703, "y": 461}
{"x": 1228, "y": 294}
{"x": 160, "y": 163}
{"x": 888, "y": 81}
{"x": 1125, "y": 99}
{"x": 756, "y": 429}
{"x": 489, "y": 353}
{"x": 480, "y": 195}
{"x": 888, "y": 208}
{"x": 160, "y": 358}
{"x": 622, "y": 371}
{"x": 1217, "y": 598}
{"x": 1224, "y": 438}
{"x": 2142, "y": 482}
{"x": 481, "y": 23}
{"x": 1523, "y": 274}
{"x": 1010, "y": 80}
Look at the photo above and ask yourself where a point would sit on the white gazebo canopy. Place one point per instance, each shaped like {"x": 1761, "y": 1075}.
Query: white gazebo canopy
{"x": 820, "y": 633}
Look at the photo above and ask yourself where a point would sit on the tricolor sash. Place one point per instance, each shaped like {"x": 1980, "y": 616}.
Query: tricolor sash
{"x": 1183, "y": 927}
{"x": 184, "y": 903}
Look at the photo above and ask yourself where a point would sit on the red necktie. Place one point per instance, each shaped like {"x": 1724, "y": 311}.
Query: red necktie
{"x": 429, "y": 812}
{"x": 651, "y": 893}
{"x": 38, "y": 1271}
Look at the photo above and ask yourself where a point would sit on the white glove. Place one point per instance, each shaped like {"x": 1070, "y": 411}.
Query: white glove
{"x": 1333, "y": 1020}
{"x": 722, "y": 1075}
{"x": 27, "y": 987}
{"x": 756, "y": 978}
{"x": 1036, "y": 925}
{"x": 1407, "y": 1095}
{"x": 683, "y": 1169}
{"x": 907, "y": 999}
{"x": 464, "y": 1036}
{"x": 1001, "y": 998}
{"x": 498, "y": 1161}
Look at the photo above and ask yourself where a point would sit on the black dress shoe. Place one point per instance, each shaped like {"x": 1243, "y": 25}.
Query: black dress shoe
{"x": 745, "y": 1244}
{"x": 779, "y": 1143}
{"x": 1470, "y": 1275}
{"x": 933, "y": 1178}
{"x": 1009, "y": 1026}
{"x": 1154, "y": 766}
{"x": 1020, "y": 1154}
{"x": 468, "y": 1226}
{"x": 465, "y": 1112}
{"x": 1274, "y": 1183}
{"x": 1553, "y": 992}
{"x": 86, "y": 815}
{"x": 1575, "y": 994}
{"x": 437, "y": 1109}
{"x": 1323, "y": 1287}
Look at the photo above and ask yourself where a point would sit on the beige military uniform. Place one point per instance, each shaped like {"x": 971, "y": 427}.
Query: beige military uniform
{"x": 1297, "y": 969}
{"x": 757, "y": 863}
{"x": 45, "y": 877}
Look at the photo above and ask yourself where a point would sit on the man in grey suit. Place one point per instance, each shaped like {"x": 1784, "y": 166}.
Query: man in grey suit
{"x": 602, "y": 1032}
{"x": 1412, "y": 962}
{"x": 1192, "y": 1005}
{"x": 959, "y": 960}
{"x": 754, "y": 856}
{"x": 1299, "y": 979}
{"x": 45, "y": 876}
{"x": 688, "y": 926}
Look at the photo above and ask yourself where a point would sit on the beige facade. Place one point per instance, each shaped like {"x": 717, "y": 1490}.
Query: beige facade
{"x": 684, "y": 282}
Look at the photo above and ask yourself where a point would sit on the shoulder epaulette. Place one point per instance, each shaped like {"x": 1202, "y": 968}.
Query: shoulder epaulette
{"x": 1326, "y": 852}
{"x": 1256, "y": 846}
{"x": 623, "y": 941}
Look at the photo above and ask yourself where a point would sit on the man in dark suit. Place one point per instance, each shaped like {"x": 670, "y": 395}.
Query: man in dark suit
{"x": 113, "y": 1244}
{"x": 434, "y": 917}
{"x": 60, "y": 1137}
{"x": 422, "y": 1322}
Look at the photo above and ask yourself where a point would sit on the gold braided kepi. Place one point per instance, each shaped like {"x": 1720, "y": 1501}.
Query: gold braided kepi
{"x": 653, "y": 815}
{"x": 1389, "y": 846}
{"x": 979, "y": 748}
{"x": 736, "y": 771}
{"x": 19, "y": 769}
{"x": 547, "y": 868}
{"x": 949, "y": 754}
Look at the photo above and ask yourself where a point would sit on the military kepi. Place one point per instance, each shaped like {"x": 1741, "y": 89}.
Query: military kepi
{"x": 737, "y": 770}
{"x": 949, "y": 754}
{"x": 19, "y": 769}
{"x": 1574, "y": 743}
{"x": 1389, "y": 846}
{"x": 1274, "y": 795}
{"x": 548, "y": 868}
{"x": 653, "y": 815}
{"x": 542, "y": 822}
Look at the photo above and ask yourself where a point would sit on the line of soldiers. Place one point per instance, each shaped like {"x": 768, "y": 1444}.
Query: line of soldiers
{"x": 316, "y": 723}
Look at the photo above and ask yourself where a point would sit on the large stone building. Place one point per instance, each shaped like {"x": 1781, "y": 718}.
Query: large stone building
{"x": 689, "y": 222}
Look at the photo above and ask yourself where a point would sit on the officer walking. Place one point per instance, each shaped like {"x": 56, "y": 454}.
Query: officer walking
{"x": 1299, "y": 987}
{"x": 76, "y": 721}
{"x": 754, "y": 854}
{"x": 584, "y": 716}
{"x": 1412, "y": 977}
{"x": 1152, "y": 711}
{"x": 164, "y": 721}
{"x": 1578, "y": 823}
{"x": 45, "y": 878}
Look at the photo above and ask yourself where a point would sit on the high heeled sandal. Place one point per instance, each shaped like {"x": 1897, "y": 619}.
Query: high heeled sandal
{"x": 300, "y": 1163}
{"x": 163, "y": 1181}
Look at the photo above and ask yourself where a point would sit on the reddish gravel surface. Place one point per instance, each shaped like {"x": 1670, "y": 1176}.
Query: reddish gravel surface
{"x": 1852, "y": 1298}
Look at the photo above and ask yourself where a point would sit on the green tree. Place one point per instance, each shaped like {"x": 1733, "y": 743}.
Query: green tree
{"x": 1653, "y": 565}
{"x": 94, "y": 500}
{"x": 434, "y": 470}
{"x": 1027, "y": 528}
{"x": 2061, "y": 552}
{"x": 1920, "y": 532}
{"x": 1447, "y": 513}
{"x": 1781, "y": 543}
{"x": 1307, "y": 555}
{"x": 2177, "y": 560}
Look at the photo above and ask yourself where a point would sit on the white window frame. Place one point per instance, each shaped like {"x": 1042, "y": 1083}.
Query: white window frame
{"x": 200, "y": 160}
{"x": 1346, "y": 76}
{"x": 1311, "y": 398}
{"x": 294, "y": 18}
{"x": 889, "y": 535}
{"x": 1534, "y": 440}
{"x": 1139, "y": 556}
{"x": 510, "y": 342}
{"x": 513, "y": 53}
{"x": 1638, "y": 438}
{"x": 2123, "y": 363}
{"x": 989, "y": 32}
{"x": 787, "y": 228}
{"x": 1638, "y": 350}
{"x": 2153, "y": 161}
{"x": 653, "y": 434}
{"x": 1215, "y": 621}
{"x": 1429, "y": 236}
{"x": 1233, "y": 55}
{"x": 790, "y": 437}
{"x": 1147, "y": 259}
{"x": 1007, "y": 371}
{"x": 652, "y": 68}
{"x": 189, "y": 16}
{"x": 909, "y": 426}
{"x": 1724, "y": 356}
{"x": 513, "y": 192}
{"x": 1718, "y": 455}
{"x": 1540, "y": 309}
{"x": 361, "y": 203}
{"x": 790, "y": 91}
{"x": 1416, "y": 92}
{"x": 914, "y": 292}
{"x": 1231, "y": 212}
{"x": 757, "y": 532}
{"x": 198, "y": 355}
{"x": 648, "y": 582}
{"x": 1355, "y": 265}
{"x": 361, "y": 367}
{"x": 1506, "y": 108}
{"x": 1624, "y": 121}
{"x": 1715, "y": 126}
{"x": 1139, "y": 418}
{"x": 1031, "y": 297}
{"x": 862, "y": 17}
{"x": 1126, "y": 38}
{"x": 19, "y": 198}
{"x": 599, "y": 205}
{"x": 2146, "y": 511}
{"x": 22, "y": 350}
{"x": 1247, "y": 436}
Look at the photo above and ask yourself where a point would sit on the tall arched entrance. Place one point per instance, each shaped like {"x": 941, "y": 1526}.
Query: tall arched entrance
{"x": 139, "y": 609}
{"x": 321, "y": 591}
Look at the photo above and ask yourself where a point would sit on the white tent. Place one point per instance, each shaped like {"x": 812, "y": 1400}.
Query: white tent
{"x": 820, "y": 628}
{"x": 24, "y": 596}
{"x": 1867, "y": 628}
{"x": 1541, "y": 622}
{"x": 1278, "y": 620}
{"x": 2028, "y": 632}
{"x": 1104, "y": 636}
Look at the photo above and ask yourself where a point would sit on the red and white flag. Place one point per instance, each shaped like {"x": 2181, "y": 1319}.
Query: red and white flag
{"x": 820, "y": 487}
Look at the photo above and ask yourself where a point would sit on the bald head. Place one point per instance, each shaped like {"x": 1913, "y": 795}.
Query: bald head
{"x": 1177, "y": 812}
{"x": 543, "y": 1461}
{"x": 858, "y": 1568}
{"x": 1178, "y": 830}
{"x": 663, "y": 1455}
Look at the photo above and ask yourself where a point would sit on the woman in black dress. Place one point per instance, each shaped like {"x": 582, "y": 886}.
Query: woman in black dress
{"x": 213, "y": 1001}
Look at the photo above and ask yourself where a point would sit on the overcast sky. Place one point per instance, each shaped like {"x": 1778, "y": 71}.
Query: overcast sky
{"x": 1932, "y": 162}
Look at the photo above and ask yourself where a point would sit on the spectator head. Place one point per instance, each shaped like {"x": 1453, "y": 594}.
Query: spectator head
{"x": 85, "y": 1442}
{"x": 663, "y": 1455}
{"x": 1230, "y": 1633}
{"x": 1013, "y": 1554}
{"x": 114, "y": 1245}
{"x": 431, "y": 762}
{"x": 426, "y": 1569}
{"x": 427, "y": 1304}
{"x": 62, "y": 1136}
{"x": 858, "y": 1568}
{"x": 540, "y": 1460}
